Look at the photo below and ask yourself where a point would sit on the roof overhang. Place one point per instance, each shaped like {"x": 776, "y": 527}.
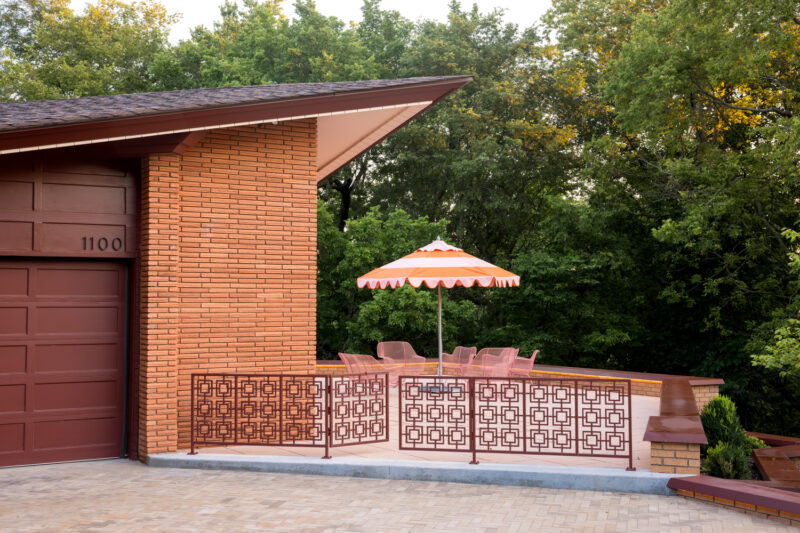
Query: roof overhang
{"x": 349, "y": 123}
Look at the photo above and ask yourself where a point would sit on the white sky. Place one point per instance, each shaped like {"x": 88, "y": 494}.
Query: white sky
{"x": 205, "y": 12}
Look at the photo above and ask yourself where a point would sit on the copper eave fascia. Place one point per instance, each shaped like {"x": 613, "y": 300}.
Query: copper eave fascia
{"x": 223, "y": 116}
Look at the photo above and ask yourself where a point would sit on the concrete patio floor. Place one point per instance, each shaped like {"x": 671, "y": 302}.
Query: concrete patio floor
{"x": 121, "y": 495}
{"x": 643, "y": 407}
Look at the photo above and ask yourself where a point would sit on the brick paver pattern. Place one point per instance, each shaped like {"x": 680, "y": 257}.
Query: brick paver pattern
{"x": 122, "y": 495}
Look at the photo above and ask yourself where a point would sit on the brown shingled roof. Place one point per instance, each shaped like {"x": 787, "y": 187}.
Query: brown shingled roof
{"x": 16, "y": 116}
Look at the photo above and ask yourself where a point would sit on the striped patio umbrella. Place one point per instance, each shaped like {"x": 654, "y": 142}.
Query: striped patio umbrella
{"x": 438, "y": 264}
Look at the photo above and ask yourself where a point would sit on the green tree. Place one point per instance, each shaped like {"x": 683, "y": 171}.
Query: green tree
{"x": 353, "y": 319}
{"x": 256, "y": 44}
{"x": 701, "y": 148}
{"x": 487, "y": 157}
{"x": 52, "y": 52}
{"x": 782, "y": 351}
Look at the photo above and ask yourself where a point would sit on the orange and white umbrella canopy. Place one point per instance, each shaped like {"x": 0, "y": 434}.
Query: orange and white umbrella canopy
{"x": 438, "y": 264}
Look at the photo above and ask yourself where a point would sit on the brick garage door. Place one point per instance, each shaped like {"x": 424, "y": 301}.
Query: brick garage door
{"x": 61, "y": 360}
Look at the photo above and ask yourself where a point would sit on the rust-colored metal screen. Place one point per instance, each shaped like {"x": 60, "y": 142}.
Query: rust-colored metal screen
{"x": 359, "y": 409}
{"x": 289, "y": 410}
{"x": 580, "y": 417}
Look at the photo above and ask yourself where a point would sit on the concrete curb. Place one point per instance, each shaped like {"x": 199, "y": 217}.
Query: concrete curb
{"x": 554, "y": 477}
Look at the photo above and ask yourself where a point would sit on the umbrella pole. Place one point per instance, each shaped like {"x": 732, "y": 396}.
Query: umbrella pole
{"x": 440, "y": 329}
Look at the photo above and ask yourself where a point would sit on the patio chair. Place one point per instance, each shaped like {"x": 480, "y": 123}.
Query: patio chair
{"x": 357, "y": 363}
{"x": 522, "y": 366}
{"x": 493, "y": 362}
{"x": 399, "y": 358}
{"x": 458, "y": 362}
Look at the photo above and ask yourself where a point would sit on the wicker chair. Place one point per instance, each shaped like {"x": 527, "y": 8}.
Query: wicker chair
{"x": 493, "y": 362}
{"x": 458, "y": 362}
{"x": 357, "y": 363}
{"x": 522, "y": 366}
{"x": 399, "y": 358}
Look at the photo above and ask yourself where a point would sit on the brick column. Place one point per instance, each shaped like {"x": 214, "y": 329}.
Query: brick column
{"x": 675, "y": 457}
{"x": 704, "y": 394}
{"x": 158, "y": 365}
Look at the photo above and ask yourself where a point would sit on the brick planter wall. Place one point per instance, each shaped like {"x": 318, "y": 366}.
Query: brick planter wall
{"x": 228, "y": 254}
{"x": 703, "y": 394}
{"x": 674, "y": 458}
{"x": 639, "y": 387}
{"x": 783, "y": 517}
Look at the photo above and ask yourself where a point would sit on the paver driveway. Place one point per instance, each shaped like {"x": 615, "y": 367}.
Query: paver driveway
{"x": 122, "y": 495}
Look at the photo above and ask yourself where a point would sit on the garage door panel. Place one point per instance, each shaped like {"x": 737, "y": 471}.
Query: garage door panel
{"x": 16, "y": 195}
{"x": 77, "y": 357}
{"x": 74, "y": 433}
{"x": 16, "y": 236}
{"x": 76, "y": 395}
{"x": 13, "y": 321}
{"x": 77, "y": 283}
{"x": 12, "y": 438}
{"x": 13, "y": 359}
{"x": 13, "y": 281}
{"x": 70, "y": 320}
{"x": 12, "y": 398}
{"x": 68, "y": 237}
{"x": 83, "y": 198}
{"x": 61, "y": 360}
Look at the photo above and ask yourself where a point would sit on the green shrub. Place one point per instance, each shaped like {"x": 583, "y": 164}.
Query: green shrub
{"x": 721, "y": 423}
{"x": 753, "y": 443}
{"x": 726, "y": 460}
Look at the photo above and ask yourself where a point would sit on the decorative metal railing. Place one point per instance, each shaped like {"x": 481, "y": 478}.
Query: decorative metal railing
{"x": 579, "y": 417}
{"x": 289, "y": 410}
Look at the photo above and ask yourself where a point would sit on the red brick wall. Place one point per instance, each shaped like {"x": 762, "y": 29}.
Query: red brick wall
{"x": 158, "y": 363}
{"x": 228, "y": 266}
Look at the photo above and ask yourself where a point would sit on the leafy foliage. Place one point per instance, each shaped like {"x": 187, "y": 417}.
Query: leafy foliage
{"x": 726, "y": 460}
{"x": 52, "y": 52}
{"x": 721, "y": 423}
{"x": 355, "y": 320}
{"x": 728, "y": 446}
{"x": 782, "y": 352}
{"x": 753, "y": 443}
{"x": 638, "y": 171}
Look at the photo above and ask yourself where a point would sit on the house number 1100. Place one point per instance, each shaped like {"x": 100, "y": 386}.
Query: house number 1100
{"x": 102, "y": 244}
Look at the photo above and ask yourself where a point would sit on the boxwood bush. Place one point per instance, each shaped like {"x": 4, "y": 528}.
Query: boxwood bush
{"x": 726, "y": 460}
{"x": 721, "y": 423}
{"x": 728, "y": 446}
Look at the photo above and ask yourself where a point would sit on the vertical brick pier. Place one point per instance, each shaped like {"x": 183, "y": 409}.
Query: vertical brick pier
{"x": 228, "y": 266}
{"x": 676, "y": 434}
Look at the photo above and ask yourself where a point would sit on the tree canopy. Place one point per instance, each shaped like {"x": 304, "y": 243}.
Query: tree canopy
{"x": 635, "y": 162}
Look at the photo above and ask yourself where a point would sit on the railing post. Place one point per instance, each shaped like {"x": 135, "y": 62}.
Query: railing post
{"x": 575, "y": 415}
{"x": 630, "y": 431}
{"x": 328, "y": 416}
{"x": 399, "y": 409}
{"x": 386, "y": 390}
{"x": 280, "y": 410}
{"x": 193, "y": 418}
{"x": 525, "y": 385}
{"x": 236, "y": 409}
{"x": 472, "y": 422}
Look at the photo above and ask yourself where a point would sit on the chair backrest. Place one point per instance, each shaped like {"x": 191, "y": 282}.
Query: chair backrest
{"x": 524, "y": 365}
{"x": 506, "y": 354}
{"x": 496, "y": 360}
{"x": 463, "y": 355}
{"x": 357, "y": 363}
{"x": 399, "y": 351}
